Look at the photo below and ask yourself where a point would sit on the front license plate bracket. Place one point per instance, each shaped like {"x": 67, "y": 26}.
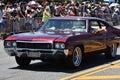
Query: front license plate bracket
{"x": 34, "y": 54}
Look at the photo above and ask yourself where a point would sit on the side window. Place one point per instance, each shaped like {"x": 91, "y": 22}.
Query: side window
{"x": 103, "y": 26}
{"x": 94, "y": 26}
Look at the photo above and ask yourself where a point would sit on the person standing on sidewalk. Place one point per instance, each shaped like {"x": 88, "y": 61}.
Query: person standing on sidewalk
{"x": 22, "y": 13}
{"x": 46, "y": 15}
{"x": 15, "y": 19}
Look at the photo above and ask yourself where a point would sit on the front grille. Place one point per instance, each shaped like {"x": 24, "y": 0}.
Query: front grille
{"x": 34, "y": 45}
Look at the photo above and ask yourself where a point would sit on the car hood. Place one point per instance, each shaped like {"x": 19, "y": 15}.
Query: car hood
{"x": 39, "y": 36}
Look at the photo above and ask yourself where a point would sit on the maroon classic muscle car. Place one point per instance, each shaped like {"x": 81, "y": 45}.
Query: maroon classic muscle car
{"x": 64, "y": 38}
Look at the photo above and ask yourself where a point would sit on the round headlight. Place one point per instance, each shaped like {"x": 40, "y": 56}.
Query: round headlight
{"x": 8, "y": 43}
{"x": 14, "y": 44}
{"x": 57, "y": 45}
{"x": 62, "y": 45}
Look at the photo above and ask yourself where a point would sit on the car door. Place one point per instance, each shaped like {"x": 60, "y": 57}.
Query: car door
{"x": 109, "y": 35}
{"x": 96, "y": 39}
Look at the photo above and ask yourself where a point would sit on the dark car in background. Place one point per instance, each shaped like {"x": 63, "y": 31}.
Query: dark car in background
{"x": 64, "y": 38}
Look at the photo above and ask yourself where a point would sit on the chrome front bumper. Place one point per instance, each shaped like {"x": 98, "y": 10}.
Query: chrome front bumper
{"x": 35, "y": 53}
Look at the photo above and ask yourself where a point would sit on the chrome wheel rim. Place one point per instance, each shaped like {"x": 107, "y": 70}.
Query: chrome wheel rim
{"x": 114, "y": 50}
{"x": 77, "y": 56}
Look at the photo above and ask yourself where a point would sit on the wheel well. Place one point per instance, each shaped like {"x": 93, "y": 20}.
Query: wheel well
{"x": 118, "y": 44}
{"x": 82, "y": 47}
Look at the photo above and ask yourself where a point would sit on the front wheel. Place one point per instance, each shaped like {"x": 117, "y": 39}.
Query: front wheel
{"x": 76, "y": 58}
{"x": 22, "y": 61}
{"x": 112, "y": 51}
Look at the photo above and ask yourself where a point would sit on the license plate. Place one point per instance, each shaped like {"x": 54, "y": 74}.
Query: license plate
{"x": 33, "y": 54}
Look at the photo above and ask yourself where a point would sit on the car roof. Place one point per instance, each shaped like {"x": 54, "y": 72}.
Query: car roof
{"x": 78, "y": 18}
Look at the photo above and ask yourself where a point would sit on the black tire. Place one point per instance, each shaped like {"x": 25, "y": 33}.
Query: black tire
{"x": 111, "y": 51}
{"x": 76, "y": 58}
{"x": 22, "y": 61}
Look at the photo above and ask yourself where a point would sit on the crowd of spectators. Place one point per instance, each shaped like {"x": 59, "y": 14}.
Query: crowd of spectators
{"x": 23, "y": 16}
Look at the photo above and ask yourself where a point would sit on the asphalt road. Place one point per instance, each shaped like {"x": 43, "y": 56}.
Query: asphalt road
{"x": 38, "y": 70}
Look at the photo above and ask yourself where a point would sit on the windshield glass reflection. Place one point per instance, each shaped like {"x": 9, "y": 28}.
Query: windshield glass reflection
{"x": 65, "y": 25}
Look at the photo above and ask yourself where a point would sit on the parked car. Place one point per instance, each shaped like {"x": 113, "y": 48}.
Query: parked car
{"x": 64, "y": 38}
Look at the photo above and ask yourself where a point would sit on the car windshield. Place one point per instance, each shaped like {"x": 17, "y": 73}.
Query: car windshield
{"x": 65, "y": 25}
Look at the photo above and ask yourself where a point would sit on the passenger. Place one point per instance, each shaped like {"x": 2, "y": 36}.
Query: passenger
{"x": 100, "y": 30}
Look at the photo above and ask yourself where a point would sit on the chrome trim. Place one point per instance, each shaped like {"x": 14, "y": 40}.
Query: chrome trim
{"x": 37, "y": 52}
{"x": 38, "y": 49}
{"x": 28, "y": 51}
{"x": 10, "y": 51}
{"x": 35, "y": 41}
